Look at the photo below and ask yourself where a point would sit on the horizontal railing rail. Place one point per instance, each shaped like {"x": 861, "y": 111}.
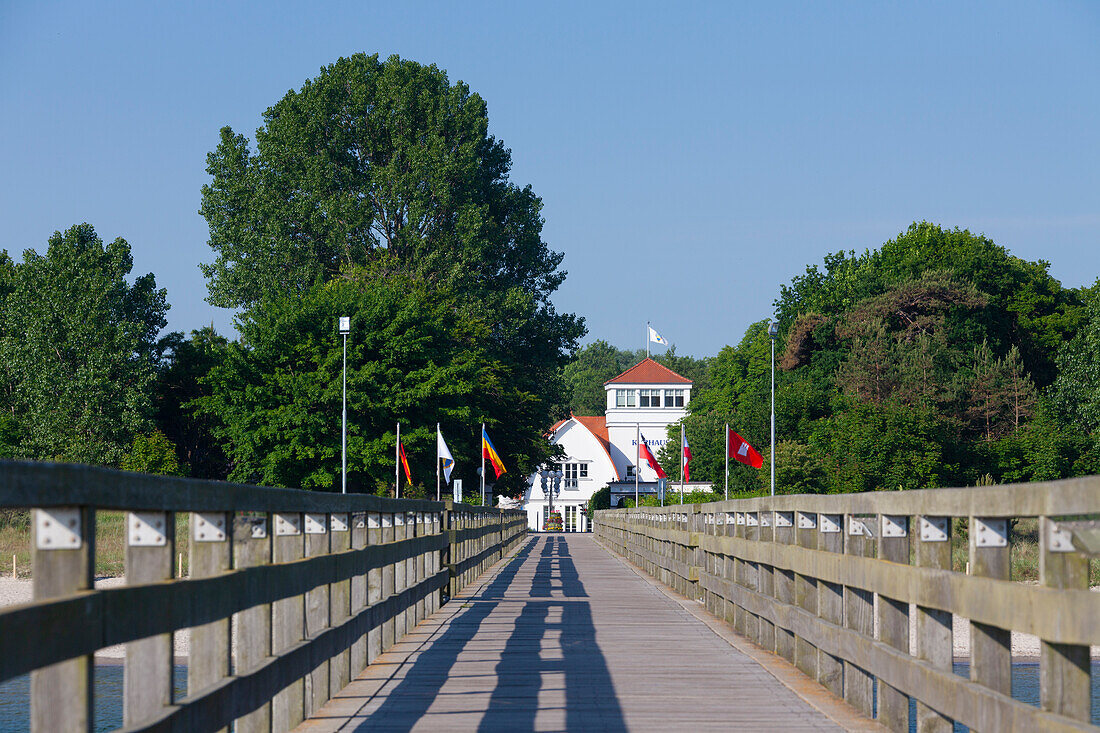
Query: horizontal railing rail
{"x": 859, "y": 591}
{"x": 291, "y": 593}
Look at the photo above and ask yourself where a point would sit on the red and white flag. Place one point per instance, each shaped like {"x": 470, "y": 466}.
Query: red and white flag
{"x": 687, "y": 459}
{"x": 647, "y": 455}
{"x": 742, "y": 451}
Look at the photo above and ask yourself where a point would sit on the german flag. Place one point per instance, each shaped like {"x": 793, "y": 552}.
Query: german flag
{"x": 405, "y": 462}
{"x": 489, "y": 452}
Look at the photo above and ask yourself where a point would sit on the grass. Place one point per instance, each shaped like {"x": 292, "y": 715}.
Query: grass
{"x": 110, "y": 537}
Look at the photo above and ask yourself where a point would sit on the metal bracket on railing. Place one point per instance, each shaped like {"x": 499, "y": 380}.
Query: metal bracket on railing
{"x": 1083, "y": 535}
{"x": 765, "y": 520}
{"x": 807, "y": 520}
{"x": 374, "y": 520}
{"x": 57, "y": 528}
{"x": 147, "y": 529}
{"x": 859, "y": 528}
{"x": 784, "y": 519}
{"x": 288, "y": 524}
{"x": 991, "y": 532}
{"x": 894, "y": 526}
{"x": 933, "y": 529}
{"x": 339, "y": 522}
{"x": 359, "y": 520}
{"x": 315, "y": 524}
{"x": 399, "y": 519}
{"x": 830, "y": 523}
{"x": 209, "y": 527}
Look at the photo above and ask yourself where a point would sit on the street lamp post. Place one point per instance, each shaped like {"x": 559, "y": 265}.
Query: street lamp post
{"x": 345, "y": 329}
{"x": 773, "y": 331}
{"x": 555, "y": 491}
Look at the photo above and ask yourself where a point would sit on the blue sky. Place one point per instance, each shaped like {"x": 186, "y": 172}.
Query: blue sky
{"x": 691, "y": 157}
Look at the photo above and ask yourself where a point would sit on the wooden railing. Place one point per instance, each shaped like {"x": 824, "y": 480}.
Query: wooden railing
{"x": 291, "y": 593}
{"x": 812, "y": 577}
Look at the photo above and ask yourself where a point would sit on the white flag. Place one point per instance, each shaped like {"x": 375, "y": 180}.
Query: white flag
{"x": 442, "y": 451}
{"x": 656, "y": 337}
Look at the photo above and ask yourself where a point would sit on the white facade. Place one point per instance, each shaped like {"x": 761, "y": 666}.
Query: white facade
{"x": 645, "y": 399}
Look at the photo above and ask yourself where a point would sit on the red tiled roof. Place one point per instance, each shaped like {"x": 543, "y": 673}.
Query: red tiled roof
{"x": 648, "y": 371}
{"x": 598, "y": 427}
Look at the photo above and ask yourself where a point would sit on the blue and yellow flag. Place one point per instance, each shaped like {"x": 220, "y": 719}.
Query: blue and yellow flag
{"x": 489, "y": 452}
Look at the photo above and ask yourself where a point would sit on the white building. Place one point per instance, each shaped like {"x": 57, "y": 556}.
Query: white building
{"x": 602, "y": 450}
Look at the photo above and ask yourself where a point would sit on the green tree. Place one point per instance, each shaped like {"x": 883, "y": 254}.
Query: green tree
{"x": 180, "y": 382}
{"x": 78, "y": 346}
{"x": 588, "y": 370}
{"x": 152, "y": 452}
{"x": 416, "y": 354}
{"x": 386, "y": 168}
{"x": 1076, "y": 391}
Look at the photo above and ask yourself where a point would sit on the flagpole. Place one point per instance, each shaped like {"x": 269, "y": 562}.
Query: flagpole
{"x": 638, "y": 457}
{"x": 438, "y": 496}
{"x": 682, "y": 456}
{"x": 726, "y": 437}
{"x": 397, "y": 464}
{"x": 482, "y": 464}
{"x": 647, "y": 339}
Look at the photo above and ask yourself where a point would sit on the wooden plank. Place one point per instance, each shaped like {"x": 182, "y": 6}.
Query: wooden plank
{"x": 357, "y": 658}
{"x": 893, "y": 621}
{"x": 934, "y": 634}
{"x": 859, "y": 617}
{"x": 211, "y": 555}
{"x": 1064, "y": 685}
{"x": 388, "y": 581}
{"x": 317, "y": 541}
{"x": 374, "y": 586}
{"x": 61, "y": 694}
{"x": 288, "y": 623}
{"x": 148, "y": 667}
{"x": 830, "y": 669}
{"x": 990, "y": 646}
{"x": 806, "y": 592}
{"x": 252, "y": 626}
{"x": 340, "y": 610}
{"x": 783, "y": 580}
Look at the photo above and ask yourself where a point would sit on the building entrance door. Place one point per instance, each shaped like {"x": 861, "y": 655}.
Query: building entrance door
{"x": 570, "y": 518}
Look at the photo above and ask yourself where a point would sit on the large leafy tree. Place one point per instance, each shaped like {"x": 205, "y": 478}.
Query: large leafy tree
{"x": 386, "y": 170}
{"x": 78, "y": 349}
{"x": 416, "y": 354}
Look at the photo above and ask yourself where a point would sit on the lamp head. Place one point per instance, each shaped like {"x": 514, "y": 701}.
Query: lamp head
{"x": 773, "y": 329}
{"x": 345, "y": 325}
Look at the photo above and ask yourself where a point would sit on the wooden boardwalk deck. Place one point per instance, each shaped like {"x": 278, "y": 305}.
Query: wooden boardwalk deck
{"x": 565, "y": 636}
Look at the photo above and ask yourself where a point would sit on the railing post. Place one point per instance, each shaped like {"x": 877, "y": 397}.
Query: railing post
{"x": 893, "y": 619}
{"x": 63, "y": 559}
{"x": 287, "y": 622}
{"x": 765, "y": 582}
{"x": 400, "y": 576}
{"x": 859, "y": 605}
{"x": 805, "y": 592}
{"x": 933, "y": 626}
{"x": 830, "y": 602}
{"x": 147, "y": 677}
{"x": 422, "y": 530}
{"x": 388, "y": 582}
{"x": 374, "y": 588}
{"x": 1063, "y": 668}
{"x": 358, "y": 598}
{"x": 784, "y": 584}
{"x": 990, "y": 647}
{"x": 317, "y": 613}
{"x": 339, "y": 602}
{"x": 252, "y": 548}
{"x": 211, "y": 554}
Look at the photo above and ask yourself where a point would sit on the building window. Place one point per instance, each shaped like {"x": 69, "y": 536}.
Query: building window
{"x": 624, "y": 398}
{"x": 651, "y": 398}
{"x": 573, "y": 473}
{"x": 629, "y": 473}
{"x": 674, "y": 398}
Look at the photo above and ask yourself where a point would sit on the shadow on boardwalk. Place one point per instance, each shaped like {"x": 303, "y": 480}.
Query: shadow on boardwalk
{"x": 550, "y": 659}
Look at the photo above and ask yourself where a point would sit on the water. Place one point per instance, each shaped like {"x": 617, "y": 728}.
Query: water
{"x": 15, "y": 699}
{"x": 1025, "y": 688}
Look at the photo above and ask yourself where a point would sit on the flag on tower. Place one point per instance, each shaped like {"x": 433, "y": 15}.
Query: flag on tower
{"x": 687, "y": 459}
{"x": 443, "y": 452}
{"x": 656, "y": 337}
{"x": 490, "y": 453}
{"x": 742, "y": 451}
{"x": 645, "y": 454}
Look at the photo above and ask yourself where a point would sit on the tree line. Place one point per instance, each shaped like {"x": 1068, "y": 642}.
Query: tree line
{"x": 938, "y": 359}
{"x": 376, "y": 191}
